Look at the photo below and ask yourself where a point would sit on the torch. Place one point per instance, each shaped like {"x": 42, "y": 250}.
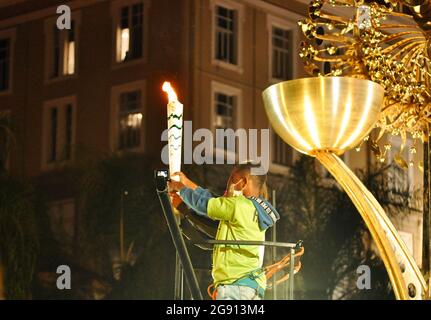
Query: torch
{"x": 175, "y": 129}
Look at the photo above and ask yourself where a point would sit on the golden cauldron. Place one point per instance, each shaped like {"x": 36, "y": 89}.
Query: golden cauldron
{"x": 325, "y": 113}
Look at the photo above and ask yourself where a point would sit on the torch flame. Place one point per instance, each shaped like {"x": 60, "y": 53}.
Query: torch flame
{"x": 170, "y": 91}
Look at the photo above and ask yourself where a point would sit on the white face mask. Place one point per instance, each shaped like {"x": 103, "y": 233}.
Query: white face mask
{"x": 234, "y": 193}
{"x": 237, "y": 193}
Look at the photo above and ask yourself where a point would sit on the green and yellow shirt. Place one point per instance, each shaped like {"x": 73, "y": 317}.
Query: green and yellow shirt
{"x": 241, "y": 218}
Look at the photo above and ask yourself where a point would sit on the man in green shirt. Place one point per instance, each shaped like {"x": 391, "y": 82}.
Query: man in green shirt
{"x": 243, "y": 214}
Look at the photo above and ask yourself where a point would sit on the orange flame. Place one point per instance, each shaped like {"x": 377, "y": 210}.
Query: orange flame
{"x": 170, "y": 91}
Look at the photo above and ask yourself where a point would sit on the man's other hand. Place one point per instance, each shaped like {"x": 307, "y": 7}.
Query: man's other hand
{"x": 185, "y": 181}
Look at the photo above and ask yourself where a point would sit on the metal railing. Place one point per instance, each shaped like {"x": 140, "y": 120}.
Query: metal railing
{"x": 291, "y": 246}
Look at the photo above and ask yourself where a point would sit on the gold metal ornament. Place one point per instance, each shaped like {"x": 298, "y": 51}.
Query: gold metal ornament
{"x": 374, "y": 40}
{"x": 325, "y": 116}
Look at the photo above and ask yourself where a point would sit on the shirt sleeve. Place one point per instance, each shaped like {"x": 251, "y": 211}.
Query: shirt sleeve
{"x": 221, "y": 208}
{"x": 197, "y": 199}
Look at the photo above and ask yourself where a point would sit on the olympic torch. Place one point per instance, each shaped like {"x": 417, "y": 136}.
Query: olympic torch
{"x": 183, "y": 264}
{"x": 175, "y": 129}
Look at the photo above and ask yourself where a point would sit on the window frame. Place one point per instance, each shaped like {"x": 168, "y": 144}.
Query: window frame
{"x": 240, "y": 11}
{"x": 60, "y": 104}
{"x": 49, "y": 24}
{"x": 286, "y": 23}
{"x": 116, "y": 7}
{"x": 116, "y": 92}
{"x": 219, "y": 87}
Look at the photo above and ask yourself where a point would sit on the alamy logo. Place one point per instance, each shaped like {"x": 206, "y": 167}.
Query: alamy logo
{"x": 241, "y": 142}
{"x": 364, "y": 280}
{"x": 64, "y": 280}
{"x": 64, "y": 21}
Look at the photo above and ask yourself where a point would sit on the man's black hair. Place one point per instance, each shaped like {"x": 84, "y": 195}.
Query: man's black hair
{"x": 260, "y": 179}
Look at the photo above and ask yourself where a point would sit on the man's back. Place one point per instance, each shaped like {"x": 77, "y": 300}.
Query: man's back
{"x": 238, "y": 221}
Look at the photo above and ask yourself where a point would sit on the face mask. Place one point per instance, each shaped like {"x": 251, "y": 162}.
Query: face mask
{"x": 234, "y": 193}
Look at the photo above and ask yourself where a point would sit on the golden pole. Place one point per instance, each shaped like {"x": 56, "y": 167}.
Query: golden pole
{"x": 381, "y": 229}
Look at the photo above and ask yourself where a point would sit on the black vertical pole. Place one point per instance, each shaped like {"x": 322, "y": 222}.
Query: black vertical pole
{"x": 177, "y": 286}
{"x": 426, "y": 245}
{"x": 274, "y": 249}
{"x": 291, "y": 273}
{"x": 178, "y": 239}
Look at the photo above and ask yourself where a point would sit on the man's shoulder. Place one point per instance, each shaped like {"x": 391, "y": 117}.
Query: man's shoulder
{"x": 241, "y": 200}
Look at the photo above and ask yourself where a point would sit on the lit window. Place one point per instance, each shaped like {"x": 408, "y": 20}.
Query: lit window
{"x": 282, "y": 57}
{"x": 4, "y": 64}
{"x": 58, "y": 132}
{"x": 131, "y": 31}
{"x": 69, "y": 52}
{"x": 130, "y": 120}
{"x": 282, "y": 153}
{"x": 62, "y": 52}
{"x": 224, "y": 111}
{"x": 226, "y": 35}
{"x": 125, "y": 42}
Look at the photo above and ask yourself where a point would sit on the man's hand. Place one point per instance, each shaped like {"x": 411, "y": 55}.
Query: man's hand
{"x": 174, "y": 186}
{"x": 175, "y": 199}
{"x": 185, "y": 181}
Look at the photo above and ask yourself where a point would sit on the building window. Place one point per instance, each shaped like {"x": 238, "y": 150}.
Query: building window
{"x": 5, "y": 53}
{"x": 128, "y": 115}
{"x": 61, "y": 49}
{"x": 58, "y": 131}
{"x": 226, "y": 102}
{"x": 282, "y": 42}
{"x": 69, "y": 51}
{"x": 226, "y": 35}
{"x": 282, "y": 153}
{"x": 55, "y": 66}
{"x": 130, "y": 32}
{"x": 224, "y": 110}
{"x": 282, "y": 57}
{"x": 130, "y": 120}
{"x": 5, "y": 139}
